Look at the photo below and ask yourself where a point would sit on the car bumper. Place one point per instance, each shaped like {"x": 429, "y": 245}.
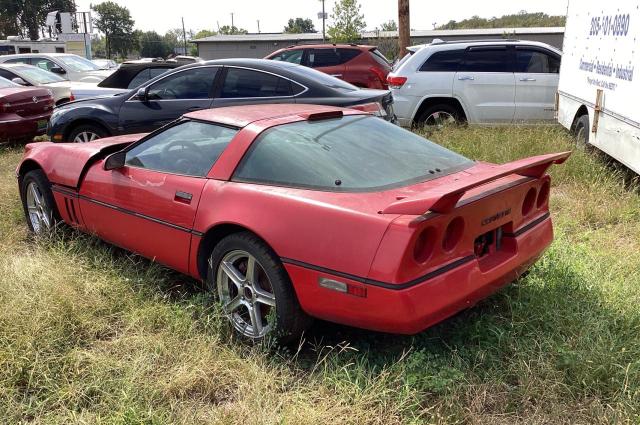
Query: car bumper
{"x": 16, "y": 127}
{"x": 413, "y": 309}
{"x": 404, "y": 106}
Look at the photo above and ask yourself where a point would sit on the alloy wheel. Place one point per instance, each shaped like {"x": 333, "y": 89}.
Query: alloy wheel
{"x": 246, "y": 294}
{"x": 40, "y": 215}
{"x": 440, "y": 119}
{"x": 85, "y": 137}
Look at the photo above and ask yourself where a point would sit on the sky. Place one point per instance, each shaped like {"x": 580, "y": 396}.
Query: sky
{"x": 162, "y": 15}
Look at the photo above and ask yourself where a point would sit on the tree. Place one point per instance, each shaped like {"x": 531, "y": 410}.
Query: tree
{"x": 389, "y": 26}
{"x": 28, "y": 16}
{"x": 299, "y": 25}
{"x": 232, "y": 30}
{"x": 203, "y": 34}
{"x": 116, "y": 24}
{"x": 98, "y": 46}
{"x": 521, "y": 19}
{"x": 347, "y": 22}
{"x": 153, "y": 45}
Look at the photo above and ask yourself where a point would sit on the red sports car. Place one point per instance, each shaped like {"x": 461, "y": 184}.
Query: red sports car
{"x": 297, "y": 211}
{"x": 24, "y": 112}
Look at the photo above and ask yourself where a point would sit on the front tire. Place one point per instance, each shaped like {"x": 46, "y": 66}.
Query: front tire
{"x": 581, "y": 131}
{"x": 87, "y": 133}
{"x": 38, "y": 203}
{"x": 255, "y": 290}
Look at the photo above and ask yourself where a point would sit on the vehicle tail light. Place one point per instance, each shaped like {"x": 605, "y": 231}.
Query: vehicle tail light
{"x": 396, "y": 82}
{"x": 453, "y": 234}
{"x": 380, "y": 74}
{"x": 424, "y": 245}
{"x": 529, "y": 201}
{"x": 72, "y": 97}
{"x": 543, "y": 195}
{"x": 374, "y": 108}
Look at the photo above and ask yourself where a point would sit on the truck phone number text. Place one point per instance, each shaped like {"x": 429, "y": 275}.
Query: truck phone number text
{"x": 615, "y": 25}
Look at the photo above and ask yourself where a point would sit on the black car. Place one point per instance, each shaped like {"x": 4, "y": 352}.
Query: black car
{"x": 205, "y": 85}
{"x": 132, "y": 74}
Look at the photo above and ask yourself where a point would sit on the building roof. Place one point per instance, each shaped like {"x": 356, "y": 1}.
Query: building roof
{"x": 379, "y": 34}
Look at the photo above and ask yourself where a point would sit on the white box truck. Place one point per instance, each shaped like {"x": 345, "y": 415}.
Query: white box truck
{"x": 598, "y": 87}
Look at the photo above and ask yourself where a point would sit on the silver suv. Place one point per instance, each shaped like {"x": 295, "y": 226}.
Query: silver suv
{"x": 484, "y": 81}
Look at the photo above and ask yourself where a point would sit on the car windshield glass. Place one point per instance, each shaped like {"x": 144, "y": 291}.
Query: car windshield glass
{"x": 78, "y": 64}
{"x": 4, "y": 83}
{"x": 37, "y": 75}
{"x": 352, "y": 153}
{"x": 324, "y": 79}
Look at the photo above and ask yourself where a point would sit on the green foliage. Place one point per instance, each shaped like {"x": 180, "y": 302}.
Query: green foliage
{"x": 98, "y": 47}
{"x": 27, "y": 17}
{"x": 153, "y": 45}
{"x": 519, "y": 20}
{"x": 299, "y": 25}
{"x": 203, "y": 34}
{"x": 232, "y": 30}
{"x": 115, "y": 22}
{"x": 389, "y": 26}
{"x": 347, "y": 23}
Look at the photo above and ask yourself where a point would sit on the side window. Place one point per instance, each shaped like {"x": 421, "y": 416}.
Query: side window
{"x": 486, "y": 59}
{"x": 445, "y": 61}
{"x": 154, "y": 72}
{"x": 190, "y": 148}
{"x": 293, "y": 56}
{"x": 43, "y": 63}
{"x": 140, "y": 78}
{"x": 193, "y": 83}
{"x": 323, "y": 57}
{"x": 241, "y": 83}
{"x": 347, "y": 54}
{"x": 19, "y": 60}
{"x": 7, "y": 74}
{"x": 535, "y": 61}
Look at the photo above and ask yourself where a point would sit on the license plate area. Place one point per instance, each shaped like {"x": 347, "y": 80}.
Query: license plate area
{"x": 493, "y": 247}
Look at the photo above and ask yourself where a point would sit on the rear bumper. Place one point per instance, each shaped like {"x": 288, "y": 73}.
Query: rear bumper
{"x": 16, "y": 127}
{"x": 415, "y": 308}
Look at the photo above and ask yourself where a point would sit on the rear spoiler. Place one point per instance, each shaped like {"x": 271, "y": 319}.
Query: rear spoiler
{"x": 444, "y": 199}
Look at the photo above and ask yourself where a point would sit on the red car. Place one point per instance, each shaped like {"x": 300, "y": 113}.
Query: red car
{"x": 24, "y": 112}
{"x": 296, "y": 211}
{"x": 362, "y": 66}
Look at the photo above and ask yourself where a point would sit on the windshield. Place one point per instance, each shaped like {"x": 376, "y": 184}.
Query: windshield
{"x": 324, "y": 79}
{"x": 77, "y": 63}
{"x": 4, "y": 83}
{"x": 352, "y": 153}
{"x": 37, "y": 75}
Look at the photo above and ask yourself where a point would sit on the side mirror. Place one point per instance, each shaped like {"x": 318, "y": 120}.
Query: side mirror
{"x": 57, "y": 70}
{"x": 20, "y": 81}
{"x": 142, "y": 94}
{"x": 115, "y": 161}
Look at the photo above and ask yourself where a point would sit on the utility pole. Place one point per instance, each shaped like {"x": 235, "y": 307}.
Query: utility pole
{"x": 258, "y": 26}
{"x": 404, "y": 27}
{"x": 231, "y": 21}
{"x": 323, "y": 15}
{"x": 184, "y": 36}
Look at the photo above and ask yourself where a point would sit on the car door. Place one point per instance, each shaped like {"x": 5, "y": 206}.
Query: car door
{"x": 536, "y": 76}
{"x": 148, "y": 205}
{"x": 485, "y": 84}
{"x": 245, "y": 86}
{"x": 167, "y": 99}
{"x": 326, "y": 60}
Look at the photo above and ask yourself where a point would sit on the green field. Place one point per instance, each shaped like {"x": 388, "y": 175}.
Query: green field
{"x": 90, "y": 334}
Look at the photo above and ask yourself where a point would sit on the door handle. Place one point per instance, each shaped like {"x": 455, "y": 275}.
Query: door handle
{"x": 466, "y": 78}
{"x": 183, "y": 197}
{"x": 527, "y": 79}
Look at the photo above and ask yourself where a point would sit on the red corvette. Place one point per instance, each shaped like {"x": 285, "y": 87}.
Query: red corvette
{"x": 297, "y": 211}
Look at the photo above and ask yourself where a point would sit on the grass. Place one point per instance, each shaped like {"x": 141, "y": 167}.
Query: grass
{"x": 89, "y": 334}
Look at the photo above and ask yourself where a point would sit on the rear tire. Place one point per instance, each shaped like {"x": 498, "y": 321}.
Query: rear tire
{"x": 581, "y": 131}
{"x": 438, "y": 116}
{"x": 38, "y": 203}
{"x": 255, "y": 290}
{"x": 85, "y": 133}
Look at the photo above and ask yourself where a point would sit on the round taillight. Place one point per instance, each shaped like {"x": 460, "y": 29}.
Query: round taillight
{"x": 529, "y": 201}
{"x": 453, "y": 234}
{"x": 543, "y": 195}
{"x": 424, "y": 245}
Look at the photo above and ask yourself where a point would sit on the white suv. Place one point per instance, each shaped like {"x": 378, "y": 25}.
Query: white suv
{"x": 487, "y": 81}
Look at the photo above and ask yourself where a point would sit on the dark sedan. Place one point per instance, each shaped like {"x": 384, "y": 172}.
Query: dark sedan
{"x": 132, "y": 74}
{"x": 209, "y": 85}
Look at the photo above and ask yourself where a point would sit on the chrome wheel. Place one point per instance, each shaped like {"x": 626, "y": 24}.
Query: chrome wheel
{"x": 40, "y": 215}
{"x": 85, "y": 137}
{"x": 440, "y": 119}
{"x": 246, "y": 294}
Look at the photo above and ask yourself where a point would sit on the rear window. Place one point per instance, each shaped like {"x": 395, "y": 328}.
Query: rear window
{"x": 352, "y": 153}
{"x": 444, "y": 61}
{"x": 380, "y": 58}
{"x": 323, "y": 79}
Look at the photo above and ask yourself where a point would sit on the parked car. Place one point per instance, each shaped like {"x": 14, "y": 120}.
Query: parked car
{"x": 362, "y": 66}
{"x": 24, "y": 112}
{"x": 28, "y": 75}
{"x": 208, "y": 85}
{"x": 68, "y": 66}
{"x": 290, "y": 211}
{"x": 492, "y": 81}
{"x": 128, "y": 76}
{"x": 105, "y": 63}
